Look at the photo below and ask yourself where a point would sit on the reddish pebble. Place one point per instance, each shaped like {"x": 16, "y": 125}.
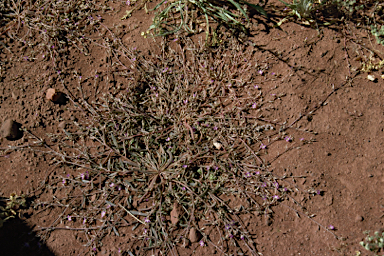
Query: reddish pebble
{"x": 52, "y": 95}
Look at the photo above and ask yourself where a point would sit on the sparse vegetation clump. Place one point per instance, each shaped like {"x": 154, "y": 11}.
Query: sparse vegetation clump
{"x": 10, "y": 206}
{"x": 164, "y": 156}
{"x": 374, "y": 243}
{"x": 194, "y": 16}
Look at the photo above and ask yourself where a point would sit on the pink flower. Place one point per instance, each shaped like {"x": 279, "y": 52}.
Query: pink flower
{"x": 201, "y": 243}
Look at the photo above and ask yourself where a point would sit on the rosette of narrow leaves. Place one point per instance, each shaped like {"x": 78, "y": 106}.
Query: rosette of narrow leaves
{"x": 301, "y": 8}
{"x": 186, "y": 15}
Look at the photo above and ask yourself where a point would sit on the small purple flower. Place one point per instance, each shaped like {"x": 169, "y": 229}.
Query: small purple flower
{"x": 261, "y": 72}
{"x": 102, "y": 214}
{"x": 248, "y": 174}
{"x": 183, "y": 188}
{"x": 96, "y": 76}
{"x": 111, "y": 185}
{"x": 318, "y": 192}
{"x": 264, "y": 185}
{"x": 84, "y": 221}
{"x": 301, "y": 139}
{"x": 263, "y": 146}
{"x": 216, "y": 168}
{"x": 185, "y": 166}
{"x": 146, "y": 220}
{"x": 69, "y": 218}
{"x": 201, "y": 243}
{"x": 242, "y": 237}
{"x": 288, "y": 139}
{"x": 276, "y": 185}
{"x": 257, "y": 173}
{"x": 276, "y": 197}
{"x": 168, "y": 139}
{"x": 331, "y": 227}
{"x": 176, "y": 39}
{"x": 215, "y": 128}
{"x": 254, "y": 105}
{"x": 165, "y": 69}
{"x": 256, "y": 86}
{"x": 185, "y": 101}
{"x": 273, "y": 73}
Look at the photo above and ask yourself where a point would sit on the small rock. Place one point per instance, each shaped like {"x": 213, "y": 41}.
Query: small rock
{"x": 55, "y": 96}
{"x": 11, "y": 130}
{"x": 51, "y": 95}
{"x": 194, "y": 235}
{"x": 176, "y": 213}
{"x": 359, "y": 218}
{"x": 371, "y": 78}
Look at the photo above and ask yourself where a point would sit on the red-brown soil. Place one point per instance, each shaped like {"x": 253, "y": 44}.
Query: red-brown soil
{"x": 316, "y": 71}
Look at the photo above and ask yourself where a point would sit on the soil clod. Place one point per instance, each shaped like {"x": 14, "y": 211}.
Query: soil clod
{"x": 55, "y": 96}
{"x": 10, "y": 130}
{"x": 194, "y": 235}
{"x": 176, "y": 213}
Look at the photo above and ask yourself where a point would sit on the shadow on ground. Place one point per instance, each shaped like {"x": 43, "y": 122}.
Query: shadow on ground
{"x": 17, "y": 238}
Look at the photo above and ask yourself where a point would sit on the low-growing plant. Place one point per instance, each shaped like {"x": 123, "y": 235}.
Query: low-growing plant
{"x": 378, "y": 33}
{"x": 10, "y": 206}
{"x": 192, "y": 15}
{"x": 47, "y": 29}
{"x": 301, "y": 8}
{"x": 350, "y": 6}
{"x": 177, "y": 156}
{"x": 374, "y": 243}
